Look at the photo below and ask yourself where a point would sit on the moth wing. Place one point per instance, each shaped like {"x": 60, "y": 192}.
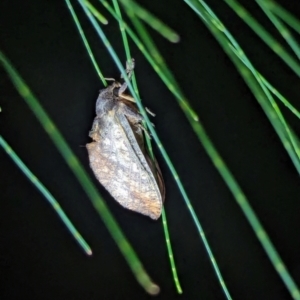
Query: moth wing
{"x": 121, "y": 169}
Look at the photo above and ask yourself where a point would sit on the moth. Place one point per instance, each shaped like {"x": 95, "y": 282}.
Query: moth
{"x": 118, "y": 156}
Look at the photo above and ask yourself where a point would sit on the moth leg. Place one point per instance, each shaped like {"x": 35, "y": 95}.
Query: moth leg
{"x": 129, "y": 71}
{"x": 130, "y": 98}
{"x": 139, "y": 125}
{"x": 132, "y": 115}
{"x": 151, "y": 113}
{"x": 136, "y": 119}
{"x": 127, "y": 97}
{"x": 129, "y": 67}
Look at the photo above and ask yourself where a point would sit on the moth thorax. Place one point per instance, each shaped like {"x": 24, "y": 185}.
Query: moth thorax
{"x": 104, "y": 104}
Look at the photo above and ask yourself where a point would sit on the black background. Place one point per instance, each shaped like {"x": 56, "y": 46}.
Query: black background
{"x": 40, "y": 260}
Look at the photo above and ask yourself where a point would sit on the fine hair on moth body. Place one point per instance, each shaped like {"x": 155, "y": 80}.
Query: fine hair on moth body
{"x": 118, "y": 156}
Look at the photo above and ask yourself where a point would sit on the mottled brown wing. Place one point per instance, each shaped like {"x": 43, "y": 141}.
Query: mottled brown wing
{"x": 123, "y": 170}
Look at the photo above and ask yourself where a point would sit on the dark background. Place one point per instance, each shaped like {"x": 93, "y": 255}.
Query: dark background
{"x": 40, "y": 260}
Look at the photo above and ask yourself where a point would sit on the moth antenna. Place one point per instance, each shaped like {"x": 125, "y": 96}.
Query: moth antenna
{"x": 109, "y": 79}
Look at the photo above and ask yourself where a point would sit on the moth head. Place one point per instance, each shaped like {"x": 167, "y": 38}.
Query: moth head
{"x": 107, "y": 97}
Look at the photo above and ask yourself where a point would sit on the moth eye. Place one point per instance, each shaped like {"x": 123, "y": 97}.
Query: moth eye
{"x": 116, "y": 91}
